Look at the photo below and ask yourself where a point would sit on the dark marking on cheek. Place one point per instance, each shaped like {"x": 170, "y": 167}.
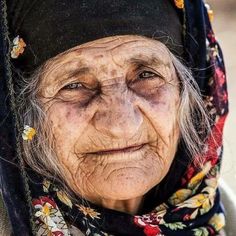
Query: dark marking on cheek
{"x": 153, "y": 104}
{"x": 68, "y": 114}
{"x": 118, "y": 102}
{"x": 153, "y": 98}
{"x": 113, "y": 73}
{"x": 98, "y": 57}
{"x": 103, "y": 68}
{"x": 72, "y": 111}
{"x": 140, "y": 55}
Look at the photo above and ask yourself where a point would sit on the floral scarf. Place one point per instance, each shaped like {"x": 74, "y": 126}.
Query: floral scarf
{"x": 193, "y": 208}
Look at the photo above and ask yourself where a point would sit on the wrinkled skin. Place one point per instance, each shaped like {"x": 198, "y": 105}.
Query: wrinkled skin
{"x": 113, "y": 93}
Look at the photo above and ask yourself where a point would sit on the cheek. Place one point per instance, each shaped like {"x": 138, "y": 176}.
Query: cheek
{"x": 68, "y": 123}
{"x": 163, "y": 109}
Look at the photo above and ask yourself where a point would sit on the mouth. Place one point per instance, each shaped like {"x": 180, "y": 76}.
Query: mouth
{"x": 122, "y": 150}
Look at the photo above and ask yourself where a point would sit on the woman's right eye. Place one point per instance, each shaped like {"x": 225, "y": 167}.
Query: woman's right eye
{"x": 73, "y": 86}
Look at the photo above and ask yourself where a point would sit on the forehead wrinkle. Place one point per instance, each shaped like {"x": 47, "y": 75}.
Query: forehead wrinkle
{"x": 108, "y": 82}
{"x": 109, "y": 40}
{"x": 81, "y": 48}
{"x": 148, "y": 60}
{"x": 126, "y": 43}
{"x": 142, "y": 57}
{"x": 58, "y": 71}
{"x": 79, "y": 71}
{"x": 145, "y": 54}
{"x": 101, "y": 42}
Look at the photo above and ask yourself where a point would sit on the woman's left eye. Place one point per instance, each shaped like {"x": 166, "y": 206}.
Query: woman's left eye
{"x": 73, "y": 86}
{"x": 146, "y": 75}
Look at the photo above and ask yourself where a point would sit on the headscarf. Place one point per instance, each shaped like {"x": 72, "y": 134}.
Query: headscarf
{"x": 191, "y": 200}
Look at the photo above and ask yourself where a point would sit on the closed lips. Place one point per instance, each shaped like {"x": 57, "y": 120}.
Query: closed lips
{"x": 113, "y": 151}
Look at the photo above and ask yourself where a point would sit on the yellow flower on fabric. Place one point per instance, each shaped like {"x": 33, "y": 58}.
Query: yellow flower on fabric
{"x": 88, "y": 211}
{"x": 46, "y": 210}
{"x": 179, "y": 196}
{"x": 18, "y": 47}
{"x": 46, "y": 185}
{"x": 64, "y": 198}
{"x": 202, "y": 201}
{"x": 179, "y": 3}
{"x": 217, "y": 221}
{"x": 199, "y": 176}
{"x": 210, "y": 189}
{"x": 194, "y": 202}
{"x": 210, "y": 12}
{"x": 161, "y": 207}
{"x": 28, "y": 133}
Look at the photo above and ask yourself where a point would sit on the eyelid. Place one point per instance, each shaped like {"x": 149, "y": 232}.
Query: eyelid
{"x": 150, "y": 70}
{"x": 83, "y": 85}
{"x": 64, "y": 87}
{"x": 146, "y": 71}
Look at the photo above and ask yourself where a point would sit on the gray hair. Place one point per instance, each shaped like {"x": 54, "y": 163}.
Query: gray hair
{"x": 192, "y": 119}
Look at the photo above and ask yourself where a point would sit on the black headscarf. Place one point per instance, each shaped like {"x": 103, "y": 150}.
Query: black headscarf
{"x": 56, "y": 26}
{"x": 51, "y": 27}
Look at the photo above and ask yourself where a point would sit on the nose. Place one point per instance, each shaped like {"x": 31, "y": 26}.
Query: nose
{"x": 118, "y": 119}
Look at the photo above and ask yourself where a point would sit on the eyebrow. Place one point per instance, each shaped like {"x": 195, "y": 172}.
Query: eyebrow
{"x": 78, "y": 71}
{"x": 151, "y": 60}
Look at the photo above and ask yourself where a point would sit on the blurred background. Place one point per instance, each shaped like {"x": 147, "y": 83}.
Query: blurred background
{"x": 224, "y": 25}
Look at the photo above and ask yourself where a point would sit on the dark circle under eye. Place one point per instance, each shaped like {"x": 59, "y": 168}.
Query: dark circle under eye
{"x": 73, "y": 86}
{"x": 146, "y": 75}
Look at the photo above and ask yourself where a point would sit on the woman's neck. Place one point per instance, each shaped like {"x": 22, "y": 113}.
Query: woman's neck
{"x": 130, "y": 206}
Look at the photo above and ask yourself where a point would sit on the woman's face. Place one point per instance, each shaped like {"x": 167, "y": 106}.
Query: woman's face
{"x": 112, "y": 105}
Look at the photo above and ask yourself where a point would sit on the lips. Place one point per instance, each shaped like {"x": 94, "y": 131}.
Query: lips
{"x": 115, "y": 151}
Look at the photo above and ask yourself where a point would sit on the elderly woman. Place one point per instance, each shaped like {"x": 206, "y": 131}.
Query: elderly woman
{"x": 103, "y": 130}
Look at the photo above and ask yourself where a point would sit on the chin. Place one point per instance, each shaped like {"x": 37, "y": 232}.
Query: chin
{"x": 126, "y": 186}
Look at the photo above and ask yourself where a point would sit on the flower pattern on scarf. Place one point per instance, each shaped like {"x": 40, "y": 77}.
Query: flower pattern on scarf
{"x": 18, "y": 47}
{"x": 49, "y": 218}
{"x": 28, "y": 133}
{"x": 88, "y": 211}
{"x": 179, "y": 4}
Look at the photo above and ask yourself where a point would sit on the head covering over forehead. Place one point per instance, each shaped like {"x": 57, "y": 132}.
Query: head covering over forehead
{"x": 51, "y": 27}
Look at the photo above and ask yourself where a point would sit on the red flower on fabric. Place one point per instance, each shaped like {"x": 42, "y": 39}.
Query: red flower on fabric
{"x": 151, "y": 230}
{"x": 42, "y": 200}
{"x": 211, "y": 37}
{"x": 188, "y": 175}
{"x": 186, "y": 217}
{"x": 220, "y": 76}
{"x": 211, "y": 230}
{"x": 224, "y": 97}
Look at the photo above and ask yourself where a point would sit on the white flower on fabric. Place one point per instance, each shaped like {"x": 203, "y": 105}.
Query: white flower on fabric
{"x": 50, "y": 220}
{"x": 28, "y": 133}
{"x": 18, "y": 47}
